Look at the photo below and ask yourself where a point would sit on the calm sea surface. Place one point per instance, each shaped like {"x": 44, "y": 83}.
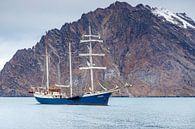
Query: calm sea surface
{"x": 122, "y": 113}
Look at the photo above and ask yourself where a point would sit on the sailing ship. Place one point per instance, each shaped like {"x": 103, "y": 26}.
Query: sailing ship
{"x": 53, "y": 95}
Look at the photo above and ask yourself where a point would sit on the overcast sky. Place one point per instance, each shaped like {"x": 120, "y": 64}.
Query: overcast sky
{"x": 23, "y": 22}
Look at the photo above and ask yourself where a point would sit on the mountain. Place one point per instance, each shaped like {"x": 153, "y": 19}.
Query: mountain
{"x": 151, "y": 48}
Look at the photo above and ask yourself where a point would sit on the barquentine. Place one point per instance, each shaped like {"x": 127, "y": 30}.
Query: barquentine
{"x": 54, "y": 95}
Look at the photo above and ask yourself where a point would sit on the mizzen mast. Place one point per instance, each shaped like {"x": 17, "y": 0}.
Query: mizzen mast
{"x": 89, "y": 40}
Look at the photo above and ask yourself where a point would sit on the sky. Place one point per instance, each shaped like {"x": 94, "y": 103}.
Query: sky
{"x": 23, "y": 22}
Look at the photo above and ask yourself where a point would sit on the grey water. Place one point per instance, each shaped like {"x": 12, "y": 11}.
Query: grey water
{"x": 122, "y": 113}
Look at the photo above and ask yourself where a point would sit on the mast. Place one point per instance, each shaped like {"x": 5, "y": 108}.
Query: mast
{"x": 91, "y": 60}
{"x": 70, "y": 63}
{"x": 91, "y": 39}
{"x": 47, "y": 63}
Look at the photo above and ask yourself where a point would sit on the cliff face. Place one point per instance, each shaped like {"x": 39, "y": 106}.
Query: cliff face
{"x": 152, "y": 49}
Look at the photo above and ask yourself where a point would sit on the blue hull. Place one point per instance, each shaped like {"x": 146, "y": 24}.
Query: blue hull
{"x": 97, "y": 99}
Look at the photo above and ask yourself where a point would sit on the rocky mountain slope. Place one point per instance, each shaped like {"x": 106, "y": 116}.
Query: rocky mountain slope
{"x": 151, "y": 48}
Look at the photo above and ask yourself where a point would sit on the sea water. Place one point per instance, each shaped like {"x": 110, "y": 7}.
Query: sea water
{"x": 121, "y": 113}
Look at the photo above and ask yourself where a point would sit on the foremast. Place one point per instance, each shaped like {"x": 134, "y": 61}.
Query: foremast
{"x": 89, "y": 40}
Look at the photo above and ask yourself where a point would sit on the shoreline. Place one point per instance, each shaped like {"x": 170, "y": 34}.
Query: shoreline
{"x": 114, "y": 96}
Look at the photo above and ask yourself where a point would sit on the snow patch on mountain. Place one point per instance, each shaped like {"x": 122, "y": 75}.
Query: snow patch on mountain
{"x": 172, "y": 17}
{"x": 183, "y": 16}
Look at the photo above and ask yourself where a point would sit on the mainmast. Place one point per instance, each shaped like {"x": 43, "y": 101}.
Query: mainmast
{"x": 89, "y": 39}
